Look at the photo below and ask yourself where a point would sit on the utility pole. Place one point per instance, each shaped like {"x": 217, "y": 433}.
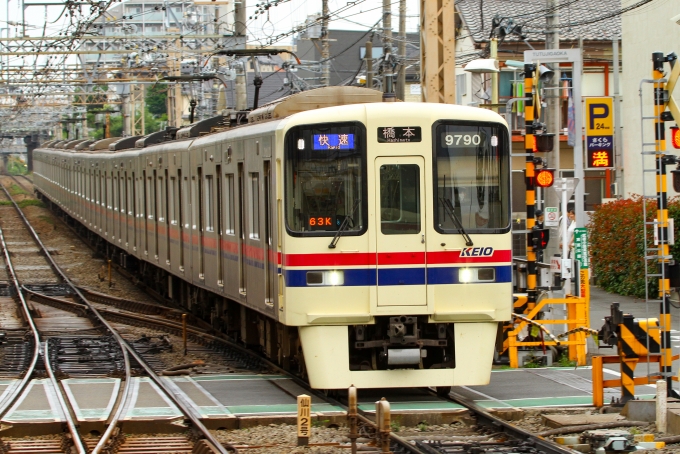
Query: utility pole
{"x": 369, "y": 64}
{"x": 240, "y": 18}
{"x": 618, "y": 130}
{"x": 552, "y": 113}
{"x": 387, "y": 50}
{"x": 325, "y": 46}
{"x": 438, "y": 51}
{"x": 401, "y": 74}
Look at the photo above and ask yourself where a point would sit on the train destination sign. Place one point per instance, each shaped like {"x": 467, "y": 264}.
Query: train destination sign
{"x": 333, "y": 141}
{"x": 399, "y": 134}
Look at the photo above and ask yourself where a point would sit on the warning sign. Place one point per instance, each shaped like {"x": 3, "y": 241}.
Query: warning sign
{"x": 555, "y": 265}
{"x": 552, "y": 217}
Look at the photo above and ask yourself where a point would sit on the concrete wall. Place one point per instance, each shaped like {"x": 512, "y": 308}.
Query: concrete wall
{"x": 645, "y": 30}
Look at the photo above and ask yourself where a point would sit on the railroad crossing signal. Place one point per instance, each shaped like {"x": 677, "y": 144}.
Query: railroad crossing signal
{"x": 545, "y": 178}
{"x": 675, "y": 136}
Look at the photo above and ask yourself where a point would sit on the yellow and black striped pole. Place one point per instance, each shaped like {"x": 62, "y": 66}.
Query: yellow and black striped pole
{"x": 530, "y": 173}
{"x": 637, "y": 338}
{"x": 666, "y": 365}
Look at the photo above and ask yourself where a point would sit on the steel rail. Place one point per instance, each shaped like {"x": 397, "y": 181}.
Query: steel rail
{"x": 541, "y": 444}
{"x": 128, "y": 375}
{"x": 12, "y": 397}
{"x": 127, "y": 351}
{"x": 63, "y": 403}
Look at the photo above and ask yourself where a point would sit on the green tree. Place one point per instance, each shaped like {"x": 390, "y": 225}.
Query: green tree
{"x": 156, "y": 99}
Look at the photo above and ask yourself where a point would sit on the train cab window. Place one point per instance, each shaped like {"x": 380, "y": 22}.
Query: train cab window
{"x": 325, "y": 179}
{"x": 472, "y": 185}
{"x": 400, "y": 199}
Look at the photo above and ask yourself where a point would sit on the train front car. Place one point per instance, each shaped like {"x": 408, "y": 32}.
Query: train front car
{"x": 397, "y": 244}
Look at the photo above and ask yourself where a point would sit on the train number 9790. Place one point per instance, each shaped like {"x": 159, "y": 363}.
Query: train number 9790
{"x": 462, "y": 140}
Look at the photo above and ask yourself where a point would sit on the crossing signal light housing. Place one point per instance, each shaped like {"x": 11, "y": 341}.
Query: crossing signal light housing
{"x": 538, "y": 238}
{"x": 675, "y": 137}
{"x": 676, "y": 179}
{"x": 545, "y": 178}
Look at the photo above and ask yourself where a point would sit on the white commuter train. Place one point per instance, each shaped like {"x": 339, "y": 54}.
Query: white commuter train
{"x": 363, "y": 243}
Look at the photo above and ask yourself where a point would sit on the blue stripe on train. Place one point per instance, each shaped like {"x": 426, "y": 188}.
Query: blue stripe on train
{"x": 398, "y": 276}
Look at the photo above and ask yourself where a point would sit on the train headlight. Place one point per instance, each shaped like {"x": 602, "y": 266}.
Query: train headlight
{"x": 465, "y": 275}
{"x": 326, "y": 278}
{"x": 334, "y": 277}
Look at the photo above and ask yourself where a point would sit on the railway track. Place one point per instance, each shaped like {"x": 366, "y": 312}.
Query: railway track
{"x": 494, "y": 434}
{"x": 45, "y": 342}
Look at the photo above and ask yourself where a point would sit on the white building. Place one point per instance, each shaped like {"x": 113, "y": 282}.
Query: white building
{"x": 645, "y": 30}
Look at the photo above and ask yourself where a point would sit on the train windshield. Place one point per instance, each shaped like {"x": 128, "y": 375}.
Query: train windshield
{"x": 325, "y": 178}
{"x": 472, "y": 167}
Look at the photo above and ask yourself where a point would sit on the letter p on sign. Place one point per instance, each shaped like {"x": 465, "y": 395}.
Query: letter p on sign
{"x": 599, "y": 118}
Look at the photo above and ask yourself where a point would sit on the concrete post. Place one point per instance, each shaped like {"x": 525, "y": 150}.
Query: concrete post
{"x": 661, "y": 406}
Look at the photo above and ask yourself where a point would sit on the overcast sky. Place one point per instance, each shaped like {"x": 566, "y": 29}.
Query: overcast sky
{"x": 281, "y": 18}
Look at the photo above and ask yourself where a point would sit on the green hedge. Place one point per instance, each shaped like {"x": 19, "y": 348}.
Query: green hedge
{"x": 617, "y": 248}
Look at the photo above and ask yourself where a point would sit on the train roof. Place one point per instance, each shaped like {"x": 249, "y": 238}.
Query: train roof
{"x": 337, "y": 103}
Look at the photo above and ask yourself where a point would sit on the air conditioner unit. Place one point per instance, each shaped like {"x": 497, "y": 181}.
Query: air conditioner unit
{"x": 614, "y": 187}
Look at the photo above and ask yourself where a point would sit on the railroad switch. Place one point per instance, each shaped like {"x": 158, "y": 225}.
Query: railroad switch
{"x": 609, "y": 441}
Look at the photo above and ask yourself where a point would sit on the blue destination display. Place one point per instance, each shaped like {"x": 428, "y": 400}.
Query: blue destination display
{"x": 333, "y": 141}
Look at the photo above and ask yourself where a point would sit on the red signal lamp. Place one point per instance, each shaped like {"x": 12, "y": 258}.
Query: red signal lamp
{"x": 675, "y": 137}
{"x": 538, "y": 238}
{"x": 545, "y": 178}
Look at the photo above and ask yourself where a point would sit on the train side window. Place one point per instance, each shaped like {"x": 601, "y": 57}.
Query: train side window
{"x": 172, "y": 215}
{"x": 184, "y": 217}
{"x": 255, "y": 205}
{"x": 194, "y": 192}
{"x": 229, "y": 198}
{"x": 149, "y": 197}
{"x": 107, "y": 187}
{"x": 116, "y": 193}
{"x": 161, "y": 203}
{"x": 209, "y": 203}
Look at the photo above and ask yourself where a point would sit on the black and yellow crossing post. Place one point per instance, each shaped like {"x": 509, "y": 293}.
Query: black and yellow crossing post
{"x": 530, "y": 173}
{"x": 635, "y": 340}
{"x": 664, "y": 255}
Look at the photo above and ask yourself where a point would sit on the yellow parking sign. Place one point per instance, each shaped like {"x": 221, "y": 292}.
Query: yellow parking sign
{"x": 599, "y": 116}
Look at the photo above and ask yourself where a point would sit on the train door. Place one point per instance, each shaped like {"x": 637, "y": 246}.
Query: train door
{"x": 199, "y": 215}
{"x": 183, "y": 225}
{"x": 400, "y": 232}
{"x": 270, "y": 256}
{"x": 135, "y": 213}
{"x": 242, "y": 230}
{"x": 129, "y": 208}
{"x": 219, "y": 228}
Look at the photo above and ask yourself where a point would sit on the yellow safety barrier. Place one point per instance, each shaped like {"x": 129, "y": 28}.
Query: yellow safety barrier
{"x": 577, "y": 309}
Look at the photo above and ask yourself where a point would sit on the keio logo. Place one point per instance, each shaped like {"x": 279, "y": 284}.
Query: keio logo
{"x": 477, "y": 252}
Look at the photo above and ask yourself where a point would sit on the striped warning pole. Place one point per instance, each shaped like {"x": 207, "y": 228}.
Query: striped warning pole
{"x": 666, "y": 365}
{"x": 530, "y": 172}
